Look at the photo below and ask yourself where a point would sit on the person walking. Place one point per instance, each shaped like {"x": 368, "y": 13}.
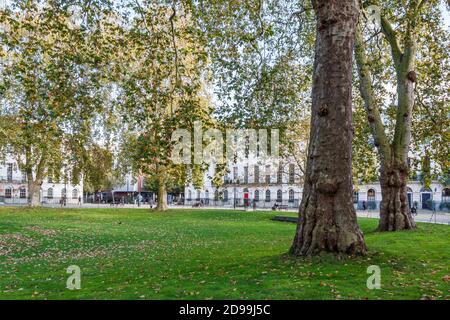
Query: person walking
{"x": 139, "y": 199}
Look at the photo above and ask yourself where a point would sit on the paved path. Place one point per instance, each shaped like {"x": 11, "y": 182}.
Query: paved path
{"x": 422, "y": 216}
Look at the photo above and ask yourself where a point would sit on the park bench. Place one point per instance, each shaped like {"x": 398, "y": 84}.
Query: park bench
{"x": 280, "y": 207}
{"x": 285, "y": 219}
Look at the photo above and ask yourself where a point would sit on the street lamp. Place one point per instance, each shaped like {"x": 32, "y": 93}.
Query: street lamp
{"x": 234, "y": 198}
{"x": 235, "y": 182}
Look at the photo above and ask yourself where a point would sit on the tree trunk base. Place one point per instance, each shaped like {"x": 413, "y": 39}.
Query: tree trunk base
{"x": 34, "y": 195}
{"x": 161, "y": 204}
{"x": 161, "y": 207}
{"x": 395, "y": 214}
{"x": 327, "y": 228}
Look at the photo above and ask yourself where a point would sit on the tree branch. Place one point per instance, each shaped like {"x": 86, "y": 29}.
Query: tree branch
{"x": 365, "y": 87}
{"x": 391, "y": 37}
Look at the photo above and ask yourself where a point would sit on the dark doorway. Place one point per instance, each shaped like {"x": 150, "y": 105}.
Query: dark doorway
{"x": 426, "y": 201}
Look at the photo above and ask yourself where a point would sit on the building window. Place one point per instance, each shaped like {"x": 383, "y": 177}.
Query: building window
{"x": 371, "y": 195}
{"x": 23, "y": 193}
{"x": 256, "y": 174}
{"x": 256, "y": 198}
{"x": 206, "y": 194}
{"x": 74, "y": 194}
{"x": 198, "y": 195}
{"x": 216, "y": 195}
{"x": 50, "y": 193}
{"x": 245, "y": 175}
{"x": 355, "y": 196}
{"x": 267, "y": 195}
{"x": 235, "y": 174}
{"x": 291, "y": 173}
{"x": 9, "y": 172}
{"x": 446, "y": 195}
{"x": 291, "y": 195}
{"x": 8, "y": 193}
{"x": 268, "y": 174}
{"x": 225, "y": 195}
{"x": 64, "y": 193}
{"x": 24, "y": 176}
{"x": 280, "y": 174}
{"x": 189, "y": 195}
{"x": 279, "y": 196}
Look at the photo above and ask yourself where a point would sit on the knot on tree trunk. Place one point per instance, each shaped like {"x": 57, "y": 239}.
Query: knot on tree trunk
{"x": 323, "y": 110}
{"x": 396, "y": 176}
{"x": 326, "y": 185}
{"x": 325, "y": 23}
{"x": 412, "y": 76}
{"x": 371, "y": 118}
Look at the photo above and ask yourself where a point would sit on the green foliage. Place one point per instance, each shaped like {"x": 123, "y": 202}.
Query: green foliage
{"x": 422, "y": 30}
{"x": 261, "y": 59}
{"x": 50, "y": 89}
{"x": 365, "y": 158}
{"x": 161, "y": 85}
{"x": 99, "y": 169}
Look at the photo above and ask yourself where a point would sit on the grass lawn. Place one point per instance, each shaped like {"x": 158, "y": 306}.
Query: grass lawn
{"x": 204, "y": 254}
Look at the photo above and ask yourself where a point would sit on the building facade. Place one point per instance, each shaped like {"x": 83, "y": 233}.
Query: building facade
{"x": 14, "y": 187}
{"x": 262, "y": 186}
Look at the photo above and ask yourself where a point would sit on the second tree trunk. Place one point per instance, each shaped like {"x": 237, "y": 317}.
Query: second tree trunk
{"x": 162, "y": 195}
{"x": 395, "y": 213}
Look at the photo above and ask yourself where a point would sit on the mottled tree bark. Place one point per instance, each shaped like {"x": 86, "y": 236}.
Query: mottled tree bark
{"x": 162, "y": 191}
{"x": 327, "y": 217}
{"x": 395, "y": 213}
{"x": 162, "y": 198}
{"x": 34, "y": 182}
{"x": 34, "y": 189}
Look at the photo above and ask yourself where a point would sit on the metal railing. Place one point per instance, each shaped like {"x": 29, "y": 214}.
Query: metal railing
{"x": 375, "y": 205}
{"x": 242, "y": 203}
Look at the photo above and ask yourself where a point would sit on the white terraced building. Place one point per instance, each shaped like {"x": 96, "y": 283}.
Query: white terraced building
{"x": 261, "y": 186}
{"x": 14, "y": 187}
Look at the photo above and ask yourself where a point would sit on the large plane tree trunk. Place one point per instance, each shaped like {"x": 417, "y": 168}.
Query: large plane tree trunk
{"x": 34, "y": 179}
{"x": 395, "y": 213}
{"x": 327, "y": 217}
{"x": 161, "y": 204}
{"x": 162, "y": 198}
{"x": 34, "y": 191}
